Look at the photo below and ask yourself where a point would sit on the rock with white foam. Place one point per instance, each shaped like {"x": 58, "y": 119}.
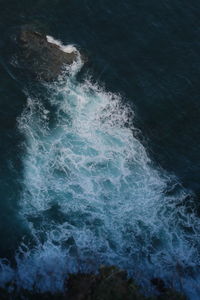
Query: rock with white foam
{"x": 40, "y": 57}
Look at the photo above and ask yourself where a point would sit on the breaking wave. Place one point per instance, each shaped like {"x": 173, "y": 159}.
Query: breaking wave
{"x": 92, "y": 196}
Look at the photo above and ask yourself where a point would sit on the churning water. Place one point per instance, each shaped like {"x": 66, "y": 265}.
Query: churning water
{"x": 92, "y": 196}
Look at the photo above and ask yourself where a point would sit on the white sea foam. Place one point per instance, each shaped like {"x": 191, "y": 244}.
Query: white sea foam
{"x": 67, "y": 49}
{"x": 91, "y": 195}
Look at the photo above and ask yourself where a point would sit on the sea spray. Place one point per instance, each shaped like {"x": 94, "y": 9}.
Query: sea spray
{"x": 92, "y": 196}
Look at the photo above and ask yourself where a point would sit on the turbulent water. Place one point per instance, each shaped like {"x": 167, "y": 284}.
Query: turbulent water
{"x": 102, "y": 167}
{"x": 92, "y": 196}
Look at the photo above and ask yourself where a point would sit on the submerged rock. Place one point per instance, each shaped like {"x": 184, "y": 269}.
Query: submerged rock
{"x": 42, "y": 59}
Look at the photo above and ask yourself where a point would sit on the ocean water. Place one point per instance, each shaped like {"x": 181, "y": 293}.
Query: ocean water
{"x": 103, "y": 166}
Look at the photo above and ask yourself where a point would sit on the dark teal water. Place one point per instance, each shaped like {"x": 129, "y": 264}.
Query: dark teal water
{"x": 148, "y": 53}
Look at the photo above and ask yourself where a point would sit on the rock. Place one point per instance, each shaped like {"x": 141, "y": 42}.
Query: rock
{"x": 110, "y": 283}
{"x": 38, "y": 58}
{"x": 159, "y": 284}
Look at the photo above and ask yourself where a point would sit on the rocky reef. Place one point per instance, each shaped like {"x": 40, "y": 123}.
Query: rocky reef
{"x": 30, "y": 55}
{"x": 110, "y": 283}
{"x": 42, "y": 59}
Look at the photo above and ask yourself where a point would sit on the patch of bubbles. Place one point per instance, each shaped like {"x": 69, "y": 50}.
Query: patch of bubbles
{"x": 92, "y": 196}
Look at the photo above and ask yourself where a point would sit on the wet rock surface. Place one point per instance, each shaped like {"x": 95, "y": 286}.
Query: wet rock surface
{"x": 32, "y": 56}
{"x": 42, "y": 59}
{"x": 110, "y": 283}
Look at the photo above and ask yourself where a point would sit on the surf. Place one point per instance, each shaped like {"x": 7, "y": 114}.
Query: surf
{"x": 91, "y": 194}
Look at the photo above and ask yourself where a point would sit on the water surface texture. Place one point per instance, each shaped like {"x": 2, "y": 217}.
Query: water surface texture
{"x": 103, "y": 167}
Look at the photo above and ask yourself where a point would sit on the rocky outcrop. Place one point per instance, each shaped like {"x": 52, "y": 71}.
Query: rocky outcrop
{"x": 112, "y": 283}
{"x": 109, "y": 284}
{"x": 39, "y": 59}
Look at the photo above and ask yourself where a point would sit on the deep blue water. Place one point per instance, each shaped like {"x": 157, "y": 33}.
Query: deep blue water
{"x": 115, "y": 177}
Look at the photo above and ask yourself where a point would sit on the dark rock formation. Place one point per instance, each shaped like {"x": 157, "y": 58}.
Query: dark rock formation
{"x": 34, "y": 57}
{"x": 110, "y": 284}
